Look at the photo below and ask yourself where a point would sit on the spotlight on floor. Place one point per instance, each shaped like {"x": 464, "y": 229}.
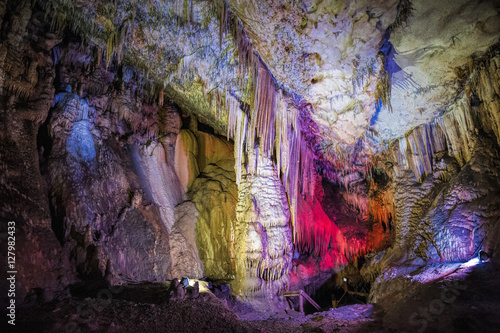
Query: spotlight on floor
{"x": 203, "y": 286}
{"x": 185, "y": 282}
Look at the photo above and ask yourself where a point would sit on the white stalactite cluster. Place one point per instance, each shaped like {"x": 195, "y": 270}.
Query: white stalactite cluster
{"x": 272, "y": 131}
{"x": 455, "y": 130}
{"x": 451, "y": 132}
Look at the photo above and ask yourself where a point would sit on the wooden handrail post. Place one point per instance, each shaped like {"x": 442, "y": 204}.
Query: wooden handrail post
{"x": 301, "y": 302}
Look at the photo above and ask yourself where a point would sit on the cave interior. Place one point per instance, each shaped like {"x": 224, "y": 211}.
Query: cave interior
{"x": 250, "y": 166}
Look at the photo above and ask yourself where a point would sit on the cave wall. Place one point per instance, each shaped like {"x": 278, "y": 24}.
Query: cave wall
{"x": 26, "y": 76}
{"x": 446, "y": 173}
{"x": 108, "y": 197}
{"x": 88, "y": 167}
{"x": 446, "y": 184}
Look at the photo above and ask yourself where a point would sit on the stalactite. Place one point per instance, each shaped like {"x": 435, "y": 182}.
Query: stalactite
{"x": 452, "y": 132}
{"x": 383, "y": 91}
{"x": 423, "y": 143}
{"x": 458, "y": 127}
{"x": 382, "y": 207}
{"x": 382, "y": 216}
{"x": 265, "y": 107}
{"x": 293, "y": 177}
{"x": 240, "y": 131}
{"x": 161, "y": 97}
{"x": 270, "y": 122}
{"x": 455, "y": 129}
{"x": 271, "y": 127}
{"x": 182, "y": 9}
{"x": 224, "y": 18}
{"x": 232, "y": 107}
{"x": 317, "y": 234}
{"x": 111, "y": 43}
{"x": 359, "y": 202}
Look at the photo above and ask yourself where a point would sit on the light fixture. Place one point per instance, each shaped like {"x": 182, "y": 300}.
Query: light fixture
{"x": 483, "y": 256}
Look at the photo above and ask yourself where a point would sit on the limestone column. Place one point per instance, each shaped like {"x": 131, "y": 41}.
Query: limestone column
{"x": 264, "y": 239}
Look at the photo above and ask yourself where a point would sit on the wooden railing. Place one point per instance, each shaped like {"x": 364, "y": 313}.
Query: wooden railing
{"x": 301, "y": 295}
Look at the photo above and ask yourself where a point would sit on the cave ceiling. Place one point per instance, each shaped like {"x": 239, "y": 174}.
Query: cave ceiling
{"x": 340, "y": 56}
{"x": 322, "y": 51}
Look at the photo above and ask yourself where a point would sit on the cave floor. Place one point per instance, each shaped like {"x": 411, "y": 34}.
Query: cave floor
{"x": 466, "y": 300}
{"x": 203, "y": 314}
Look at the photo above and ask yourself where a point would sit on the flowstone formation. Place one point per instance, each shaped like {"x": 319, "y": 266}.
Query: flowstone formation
{"x": 265, "y": 246}
{"x": 215, "y": 193}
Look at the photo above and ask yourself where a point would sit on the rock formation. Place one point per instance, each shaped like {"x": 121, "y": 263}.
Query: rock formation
{"x": 265, "y": 246}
